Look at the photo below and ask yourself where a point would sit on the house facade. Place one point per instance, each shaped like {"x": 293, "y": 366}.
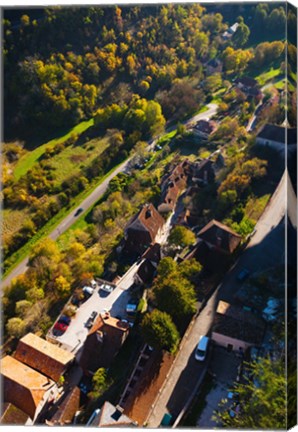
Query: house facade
{"x": 235, "y": 328}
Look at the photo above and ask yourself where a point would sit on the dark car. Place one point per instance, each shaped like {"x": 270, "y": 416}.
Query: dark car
{"x": 79, "y": 211}
{"x": 64, "y": 320}
{"x": 89, "y": 323}
{"x": 93, "y": 315}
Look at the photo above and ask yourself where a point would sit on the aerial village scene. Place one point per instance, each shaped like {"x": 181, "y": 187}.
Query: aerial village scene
{"x": 149, "y": 215}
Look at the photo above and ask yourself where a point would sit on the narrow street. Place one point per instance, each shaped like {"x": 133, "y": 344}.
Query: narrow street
{"x": 267, "y": 244}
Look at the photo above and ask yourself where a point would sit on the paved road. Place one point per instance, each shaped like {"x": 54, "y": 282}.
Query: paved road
{"x": 94, "y": 196}
{"x": 186, "y": 370}
{"x": 265, "y": 249}
{"x": 68, "y": 221}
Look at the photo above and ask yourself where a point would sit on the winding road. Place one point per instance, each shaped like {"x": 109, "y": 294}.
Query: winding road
{"x": 96, "y": 194}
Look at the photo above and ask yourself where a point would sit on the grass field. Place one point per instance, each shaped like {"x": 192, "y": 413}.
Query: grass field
{"x": 12, "y": 221}
{"x": 267, "y": 76}
{"x": 72, "y": 159}
{"x": 29, "y": 159}
{"x": 255, "y": 207}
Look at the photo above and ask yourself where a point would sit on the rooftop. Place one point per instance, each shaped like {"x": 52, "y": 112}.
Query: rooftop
{"x": 279, "y": 134}
{"x": 220, "y": 235}
{"x": 11, "y": 415}
{"x": 110, "y": 415}
{"x": 147, "y": 219}
{"x": 247, "y": 81}
{"x": 237, "y": 323}
{"x": 68, "y": 406}
{"x": 42, "y": 355}
{"x": 23, "y": 387}
{"x": 205, "y": 126}
{"x": 106, "y": 320}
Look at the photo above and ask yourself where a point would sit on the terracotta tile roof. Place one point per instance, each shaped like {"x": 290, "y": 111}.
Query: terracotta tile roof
{"x": 170, "y": 195}
{"x": 220, "y": 236}
{"x": 110, "y": 415}
{"x": 43, "y": 356}
{"x": 107, "y": 320}
{"x": 142, "y": 229}
{"x": 237, "y": 323}
{"x": 11, "y": 415}
{"x": 23, "y": 387}
{"x": 67, "y": 408}
{"x": 103, "y": 342}
{"x": 147, "y": 219}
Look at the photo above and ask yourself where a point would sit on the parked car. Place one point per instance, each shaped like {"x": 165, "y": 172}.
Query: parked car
{"x": 93, "y": 315}
{"x": 91, "y": 319}
{"x": 132, "y": 306}
{"x": 244, "y": 273}
{"x": 89, "y": 323}
{"x": 60, "y": 326}
{"x": 88, "y": 291}
{"x": 166, "y": 420}
{"x": 202, "y": 347}
{"x": 107, "y": 288}
{"x": 64, "y": 319}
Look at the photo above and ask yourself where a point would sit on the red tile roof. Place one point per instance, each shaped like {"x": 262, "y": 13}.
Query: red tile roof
{"x": 11, "y": 415}
{"x": 23, "y": 387}
{"x": 68, "y": 406}
{"x": 220, "y": 236}
{"x": 43, "y": 356}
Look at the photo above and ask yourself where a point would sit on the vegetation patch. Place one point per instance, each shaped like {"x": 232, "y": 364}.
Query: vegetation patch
{"x": 28, "y": 160}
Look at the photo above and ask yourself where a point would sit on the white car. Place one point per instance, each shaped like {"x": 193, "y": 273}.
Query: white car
{"x": 107, "y": 288}
{"x": 202, "y": 347}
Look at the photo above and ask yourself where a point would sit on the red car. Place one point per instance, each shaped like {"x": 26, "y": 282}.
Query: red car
{"x": 60, "y": 326}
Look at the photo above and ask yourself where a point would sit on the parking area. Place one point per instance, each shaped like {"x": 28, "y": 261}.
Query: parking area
{"x": 224, "y": 366}
{"x": 100, "y": 300}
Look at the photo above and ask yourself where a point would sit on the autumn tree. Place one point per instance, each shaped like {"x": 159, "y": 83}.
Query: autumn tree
{"x": 16, "y": 327}
{"x": 159, "y": 331}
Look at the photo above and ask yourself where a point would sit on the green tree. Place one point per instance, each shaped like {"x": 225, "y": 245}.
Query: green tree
{"x": 99, "y": 383}
{"x": 241, "y": 35}
{"x": 181, "y": 236}
{"x": 176, "y": 296}
{"x": 159, "y": 331}
{"x": 262, "y": 399}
